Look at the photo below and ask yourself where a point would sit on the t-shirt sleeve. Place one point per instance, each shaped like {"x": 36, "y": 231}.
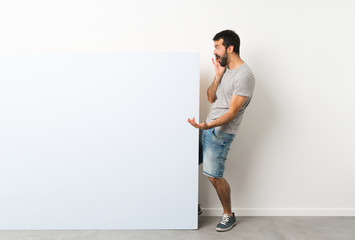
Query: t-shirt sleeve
{"x": 244, "y": 85}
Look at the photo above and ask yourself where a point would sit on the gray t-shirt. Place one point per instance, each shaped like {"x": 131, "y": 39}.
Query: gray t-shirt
{"x": 239, "y": 81}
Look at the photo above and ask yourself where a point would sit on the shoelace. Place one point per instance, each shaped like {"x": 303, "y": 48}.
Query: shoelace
{"x": 225, "y": 219}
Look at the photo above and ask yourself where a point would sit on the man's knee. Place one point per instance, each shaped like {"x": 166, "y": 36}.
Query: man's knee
{"x": 215, "y": 180}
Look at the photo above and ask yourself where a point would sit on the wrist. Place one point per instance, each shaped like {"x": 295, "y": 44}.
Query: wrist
{"x": 210, "y": 125}
{"x": 218, "y": 77}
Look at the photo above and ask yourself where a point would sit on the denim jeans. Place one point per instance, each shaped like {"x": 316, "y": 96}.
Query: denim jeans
{"x": 214, "y": 147}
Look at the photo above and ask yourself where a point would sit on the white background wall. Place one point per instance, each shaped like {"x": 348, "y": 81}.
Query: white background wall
{"x": 294, "y": 153}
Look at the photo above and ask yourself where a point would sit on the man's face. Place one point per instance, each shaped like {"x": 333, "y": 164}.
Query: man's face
{"x": 220, "y": 53}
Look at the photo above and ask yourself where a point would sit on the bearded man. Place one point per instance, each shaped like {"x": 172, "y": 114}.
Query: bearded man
{"x": 230, "y": 93}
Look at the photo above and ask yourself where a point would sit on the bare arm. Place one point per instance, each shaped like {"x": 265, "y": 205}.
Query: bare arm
{"x": 211, "y": 92}
{"x": 234, "y": 107}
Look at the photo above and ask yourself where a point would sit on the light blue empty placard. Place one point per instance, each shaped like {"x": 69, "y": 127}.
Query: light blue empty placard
{"x": 98, "y": 141}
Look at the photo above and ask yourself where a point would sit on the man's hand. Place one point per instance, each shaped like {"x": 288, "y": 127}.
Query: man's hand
{"x": 218, "y": 68}
{"x": 203, "y": 125}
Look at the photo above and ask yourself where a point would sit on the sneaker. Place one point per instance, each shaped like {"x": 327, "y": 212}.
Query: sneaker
{"x": 199, "y": 210}
{"x": 227, "y": 223}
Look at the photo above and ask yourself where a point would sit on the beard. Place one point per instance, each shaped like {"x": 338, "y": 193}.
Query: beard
{"x": 224, "y": 59}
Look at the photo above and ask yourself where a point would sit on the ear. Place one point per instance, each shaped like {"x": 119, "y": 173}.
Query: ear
{"x": 230, "y": 49}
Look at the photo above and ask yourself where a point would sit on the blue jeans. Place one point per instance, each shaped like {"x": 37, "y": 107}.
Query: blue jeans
{"x": 214, "y": 147}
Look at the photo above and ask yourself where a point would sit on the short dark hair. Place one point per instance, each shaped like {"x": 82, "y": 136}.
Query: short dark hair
{"x": 230, "y": 38}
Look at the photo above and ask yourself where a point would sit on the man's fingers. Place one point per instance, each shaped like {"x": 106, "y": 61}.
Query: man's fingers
{"x": 214, "y": 62}
{"x": 196, "y": 125}
{"x": 192, "y": 121}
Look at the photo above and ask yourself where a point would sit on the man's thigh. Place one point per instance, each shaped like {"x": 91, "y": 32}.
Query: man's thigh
{"x": 214, "y": 147}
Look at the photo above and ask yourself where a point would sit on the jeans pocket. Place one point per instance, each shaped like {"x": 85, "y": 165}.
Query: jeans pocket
{"x": 219, "y": 138}
{"x": 213, "y": 131}
{"x": 224, "y": 138}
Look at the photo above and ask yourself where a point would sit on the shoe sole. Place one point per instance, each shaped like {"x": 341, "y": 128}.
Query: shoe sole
{"x": 226, "y": 229}
{"x": 199, "y": 210}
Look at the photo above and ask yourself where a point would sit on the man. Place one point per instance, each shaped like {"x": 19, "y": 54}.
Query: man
{"x": 230, "y": 93}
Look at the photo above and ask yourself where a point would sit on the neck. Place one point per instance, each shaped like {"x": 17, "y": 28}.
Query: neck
{"x": 234, "y": 61}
